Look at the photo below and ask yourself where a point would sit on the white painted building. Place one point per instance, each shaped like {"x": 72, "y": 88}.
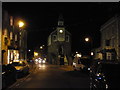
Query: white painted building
{"x": 110, "y": 40}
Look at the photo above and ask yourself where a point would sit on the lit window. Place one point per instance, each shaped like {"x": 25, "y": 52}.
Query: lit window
{"x": 11, "y": 21}
{"x": 16, "y": 37}
{"x": 5, "y": 32}
{"x": 11, "y": 35}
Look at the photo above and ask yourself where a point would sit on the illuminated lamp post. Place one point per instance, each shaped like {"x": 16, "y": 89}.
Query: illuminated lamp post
{"x": 87, "y": 39}
{"x": 21, "y": 25}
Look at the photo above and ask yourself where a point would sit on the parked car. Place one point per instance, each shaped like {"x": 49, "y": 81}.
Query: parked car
{"x": 22, "y": 67}
{"x": 8, "y": 75}
{"x": 81, "y": 65}
{"x": 77, "y": 67}
{"x": 105, "y": 75}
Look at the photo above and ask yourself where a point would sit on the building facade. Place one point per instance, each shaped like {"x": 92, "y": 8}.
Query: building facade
{"x": 59, "y": 45}
{"x": 110, "y": 40}
{"x": 10, "y": 39}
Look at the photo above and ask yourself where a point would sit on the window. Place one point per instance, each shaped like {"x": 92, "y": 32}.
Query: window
{"x": 16, "y": 37}
{"x": 54, "y": 38}
{"x": 11, "y": 21}
{"x": 11, "y": 35}
{"x": 67, "y": 38}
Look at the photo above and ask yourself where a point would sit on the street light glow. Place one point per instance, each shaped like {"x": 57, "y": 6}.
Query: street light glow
{"x": 86, "y": 39}
{"x": 92, "y": 53}
{"x": 21, "y": 24}
{"x": 35, "y": 54}
{"x": 76, "y": 52}
{"x": 41, "y": 47}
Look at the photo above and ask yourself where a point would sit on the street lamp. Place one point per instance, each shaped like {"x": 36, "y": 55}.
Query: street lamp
{"x": 87, "y": 39}
{"x": 35, "y": 53}
{"x": 92, "y": 53}
{"x": 21, "y": 24}
{"x": 76, "y": 52}
{"x": 41, "y": 47}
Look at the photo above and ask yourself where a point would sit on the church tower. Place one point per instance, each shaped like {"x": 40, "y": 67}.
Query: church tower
{"x": 60, "y": 20}
{"x": 59, "y": 45}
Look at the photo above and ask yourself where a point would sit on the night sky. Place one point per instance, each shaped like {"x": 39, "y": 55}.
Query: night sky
{"x": 81, "y": 19}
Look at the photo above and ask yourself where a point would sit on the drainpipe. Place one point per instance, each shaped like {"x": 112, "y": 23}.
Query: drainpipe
{"x": 0, "y": 44}
{"x": 0, "y": 32}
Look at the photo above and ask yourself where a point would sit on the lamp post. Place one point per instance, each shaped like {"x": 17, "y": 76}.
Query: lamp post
{"x": 21, "y": 25}
{"x": 88, "y": 39}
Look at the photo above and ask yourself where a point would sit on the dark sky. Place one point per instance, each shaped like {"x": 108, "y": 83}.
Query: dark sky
{"x": 81, "y": 19}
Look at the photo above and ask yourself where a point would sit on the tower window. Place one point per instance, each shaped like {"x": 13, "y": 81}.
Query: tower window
{"x": 60, "y": 23}
{"x": 54, "y": 38}
{"x": 67, "y": 38}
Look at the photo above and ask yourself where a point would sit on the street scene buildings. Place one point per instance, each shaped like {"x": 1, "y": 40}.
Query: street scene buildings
{"x": 110, "y": 40}
{"x": 59, "y": 45}
{"x": 14, "y": 40}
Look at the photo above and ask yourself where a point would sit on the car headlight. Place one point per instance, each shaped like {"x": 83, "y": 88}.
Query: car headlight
{"x": 40, "y": 61}
{"x": 88, "y": 68}
{"x": 43, "y": 61}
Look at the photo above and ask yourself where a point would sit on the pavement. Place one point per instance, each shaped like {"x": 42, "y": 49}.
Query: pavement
{"x": 21, "y": 80}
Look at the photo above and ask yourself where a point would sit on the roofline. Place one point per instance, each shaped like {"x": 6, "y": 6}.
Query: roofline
{"x": 111, "y": 20}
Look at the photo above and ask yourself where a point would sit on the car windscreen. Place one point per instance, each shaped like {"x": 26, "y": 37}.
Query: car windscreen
{"x": 17, "y": 64}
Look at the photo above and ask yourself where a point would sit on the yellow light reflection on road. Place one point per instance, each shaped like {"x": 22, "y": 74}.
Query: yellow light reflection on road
{"x": 41, "y": 66}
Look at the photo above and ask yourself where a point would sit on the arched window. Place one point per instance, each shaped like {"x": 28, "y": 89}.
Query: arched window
{"x": 67, "y": 38}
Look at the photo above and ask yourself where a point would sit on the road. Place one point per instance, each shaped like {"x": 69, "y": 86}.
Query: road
{"x": 53, "y": 76}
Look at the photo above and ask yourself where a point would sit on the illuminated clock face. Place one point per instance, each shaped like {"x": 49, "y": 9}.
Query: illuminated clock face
{"x": 61, "y": 31}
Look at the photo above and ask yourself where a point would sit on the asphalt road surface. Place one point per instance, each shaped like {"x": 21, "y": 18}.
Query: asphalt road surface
{"x": 53, "y": 76}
